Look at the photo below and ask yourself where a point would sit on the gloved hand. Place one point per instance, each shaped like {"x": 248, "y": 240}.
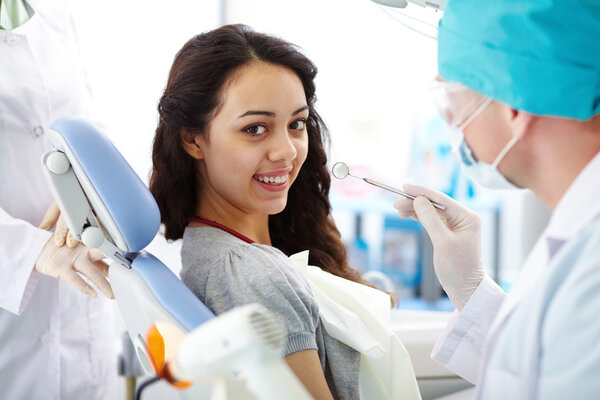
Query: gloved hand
{"x": 456, "y": 237}
{"x": 62, "y": 234}
{"x": 67, "y": 263}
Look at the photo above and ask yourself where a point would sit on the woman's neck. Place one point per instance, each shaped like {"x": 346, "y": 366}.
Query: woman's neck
{"x": 253, "y": 226}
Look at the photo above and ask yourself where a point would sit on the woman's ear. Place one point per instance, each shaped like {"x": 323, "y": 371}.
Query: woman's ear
{"x": 192, "y": 144}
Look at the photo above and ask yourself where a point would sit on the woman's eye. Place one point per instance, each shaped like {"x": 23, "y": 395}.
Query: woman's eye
{"x": 255, "y": 129}
{"x": 299, "y": 124}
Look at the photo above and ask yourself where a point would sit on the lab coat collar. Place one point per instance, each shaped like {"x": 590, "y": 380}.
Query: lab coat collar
{"x": 579, "y": 206}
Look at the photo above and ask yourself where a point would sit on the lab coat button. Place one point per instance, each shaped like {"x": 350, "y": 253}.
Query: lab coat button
{"x": 12, "y": 39}
{"x": 37, "y": 131}
{"x": 47, "y": 338}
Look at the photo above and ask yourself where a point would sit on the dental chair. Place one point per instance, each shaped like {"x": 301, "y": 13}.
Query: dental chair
{"x": 108, "y": 207}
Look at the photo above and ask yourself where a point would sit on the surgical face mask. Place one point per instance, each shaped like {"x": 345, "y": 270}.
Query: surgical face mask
{"x": 486, "y": 175}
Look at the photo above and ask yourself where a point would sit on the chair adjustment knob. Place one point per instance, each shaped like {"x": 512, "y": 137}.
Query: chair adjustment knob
{"x": 93, "y": 237}
{"x": 58, "y": 163}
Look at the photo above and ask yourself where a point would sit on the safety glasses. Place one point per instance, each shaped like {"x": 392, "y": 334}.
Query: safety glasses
{"x": 457, "y": 104}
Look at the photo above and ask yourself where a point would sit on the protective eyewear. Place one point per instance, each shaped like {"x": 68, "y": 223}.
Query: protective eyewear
{"x": 457, "y": 104}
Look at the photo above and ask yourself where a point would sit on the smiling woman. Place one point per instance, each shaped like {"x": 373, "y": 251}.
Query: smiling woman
{"x": 239, "y": 171}
{"x": 253, "y": 149}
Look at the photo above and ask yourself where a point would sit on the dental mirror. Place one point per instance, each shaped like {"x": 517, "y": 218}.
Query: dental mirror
{"x": 340, "y": 170}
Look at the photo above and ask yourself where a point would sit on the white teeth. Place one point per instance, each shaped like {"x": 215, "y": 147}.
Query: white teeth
{"x": 277, "y": 180}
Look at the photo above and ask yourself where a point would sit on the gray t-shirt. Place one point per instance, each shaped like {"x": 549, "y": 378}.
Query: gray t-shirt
{"x": 225, "y": 272}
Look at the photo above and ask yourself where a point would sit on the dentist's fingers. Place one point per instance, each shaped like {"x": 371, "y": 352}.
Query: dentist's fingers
{"x": 97, "y": 255}
{"x": 453, "y": 208}
{"x": 72, "y": 278}
{"x": 71, "y": 241}
{"x": 60, "y": 233}
{"x": 421, "y": 209}
{"x": 93, "y": 271}
{"x": 70, "y": 264}
{"x": 50, "y": 217}
{"x": 430, "y": 219}
{"x": 89, "y": 263}
{"x": 405, "y": 208}
{"x": 420, "y": 190}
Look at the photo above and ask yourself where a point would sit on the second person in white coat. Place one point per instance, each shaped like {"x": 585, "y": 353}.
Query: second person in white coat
{"x": 57, "y": 343}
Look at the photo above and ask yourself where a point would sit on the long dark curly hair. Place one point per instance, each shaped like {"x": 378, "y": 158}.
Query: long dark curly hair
{"x": 193, "y": 95}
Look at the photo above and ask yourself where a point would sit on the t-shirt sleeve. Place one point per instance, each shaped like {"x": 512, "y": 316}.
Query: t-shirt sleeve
{"x": 239, "y": 279}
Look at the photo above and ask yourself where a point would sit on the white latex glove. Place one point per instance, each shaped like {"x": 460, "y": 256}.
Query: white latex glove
{"x": 456, "y": 237}
{"x": 62, "y": 234}
{"x": 63, "y": 262}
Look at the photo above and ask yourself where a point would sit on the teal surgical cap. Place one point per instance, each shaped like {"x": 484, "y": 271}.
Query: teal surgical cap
{"x": 540, "y": 56}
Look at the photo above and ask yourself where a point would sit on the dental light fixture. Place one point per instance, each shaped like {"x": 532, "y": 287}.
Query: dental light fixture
{"x": 437, "y": 4}
{"x": 422, "y": 20}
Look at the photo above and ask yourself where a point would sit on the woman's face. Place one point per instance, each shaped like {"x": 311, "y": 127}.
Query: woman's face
{"x": 256, "y": 143}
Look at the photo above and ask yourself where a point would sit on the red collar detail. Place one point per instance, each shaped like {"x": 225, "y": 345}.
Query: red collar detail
{"x": 222, "y": 227}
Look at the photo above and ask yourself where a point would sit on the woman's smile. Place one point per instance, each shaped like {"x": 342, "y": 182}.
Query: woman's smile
{"x": 275, "y": 181}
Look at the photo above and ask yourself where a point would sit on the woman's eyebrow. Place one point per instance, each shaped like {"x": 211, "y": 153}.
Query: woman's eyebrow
{"x": 270, "y": 113}
{"x": 257, "y": 112}
{"x": 298, "y": 111}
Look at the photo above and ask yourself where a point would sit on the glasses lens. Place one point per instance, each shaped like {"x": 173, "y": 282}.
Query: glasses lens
{"x": 455, "y": 102}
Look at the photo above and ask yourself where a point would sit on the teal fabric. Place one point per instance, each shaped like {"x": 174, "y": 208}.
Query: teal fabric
{"x": 539, "y": 56}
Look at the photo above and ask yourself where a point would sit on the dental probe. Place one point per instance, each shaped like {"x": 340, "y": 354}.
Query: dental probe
{"x": 340, "y": 170}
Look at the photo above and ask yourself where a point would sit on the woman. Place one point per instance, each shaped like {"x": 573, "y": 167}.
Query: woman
{"x": 240, "y": 173}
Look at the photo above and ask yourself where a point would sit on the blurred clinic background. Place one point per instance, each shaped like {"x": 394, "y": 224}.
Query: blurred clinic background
{"x": 374, "y": 68}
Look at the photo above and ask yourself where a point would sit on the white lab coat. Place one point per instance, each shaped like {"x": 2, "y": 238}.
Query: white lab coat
{"x": 56, "y": 343}
{"x": 541, "y": 341}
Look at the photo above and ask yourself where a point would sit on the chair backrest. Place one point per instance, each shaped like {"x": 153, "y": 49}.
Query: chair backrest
{"x": 107, "y": 206}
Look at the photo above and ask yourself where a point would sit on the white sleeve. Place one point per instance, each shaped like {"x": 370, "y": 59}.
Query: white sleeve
{"x": 20, "y": 245}
{"x": 460, "y": 346}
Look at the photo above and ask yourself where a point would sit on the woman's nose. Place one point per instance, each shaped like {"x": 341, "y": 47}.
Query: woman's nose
{"x": 282, "y": 147}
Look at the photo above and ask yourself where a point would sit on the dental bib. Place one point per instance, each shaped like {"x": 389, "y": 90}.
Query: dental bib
{"x": 358, "y": 316}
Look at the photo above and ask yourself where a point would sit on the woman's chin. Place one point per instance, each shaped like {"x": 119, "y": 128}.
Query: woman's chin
{"x": 275, "y": 209}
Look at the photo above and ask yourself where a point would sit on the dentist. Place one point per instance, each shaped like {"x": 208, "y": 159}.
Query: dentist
{"x": 520, "y": 89}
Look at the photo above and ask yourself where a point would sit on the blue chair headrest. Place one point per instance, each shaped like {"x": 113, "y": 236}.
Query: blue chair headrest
{"x": 130, "y": 205}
